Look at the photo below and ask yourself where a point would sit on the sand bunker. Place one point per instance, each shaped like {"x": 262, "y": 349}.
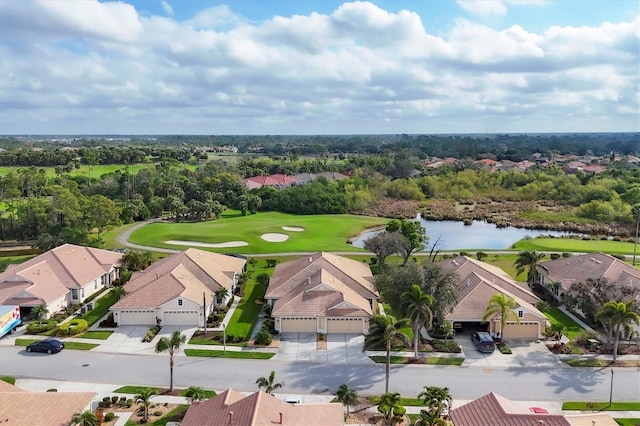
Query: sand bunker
{"x": 293, "y": 228}
{"x": 217, "y": 245}
{"x": 274, "y": 238}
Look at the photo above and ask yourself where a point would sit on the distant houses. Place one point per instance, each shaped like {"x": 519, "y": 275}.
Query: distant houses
{"x": 282, "y": 181}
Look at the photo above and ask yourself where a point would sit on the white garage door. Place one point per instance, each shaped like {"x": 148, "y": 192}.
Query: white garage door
{"x": 527, "y": 330}
{"x": 180, "y": 318}
{"x": 344, "y": 325}
{"x": 298, "y": 325}
{"x": 137, "y": 317}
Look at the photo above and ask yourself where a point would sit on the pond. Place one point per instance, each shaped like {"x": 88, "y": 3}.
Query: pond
{"x": 456, "y": 235}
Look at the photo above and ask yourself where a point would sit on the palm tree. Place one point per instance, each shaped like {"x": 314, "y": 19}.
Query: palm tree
{"x": 348, "y": 396}
{"x": 144, "y": 397}
{"x": 501, "y": 305}
{"x": 195, "y": 393}
{"x": 221, "y": 293}
{"x": 85, "y": 418}
{"x": 390, "y": 407}
{"x": 385, "y": 331}
{"x": 436, "y": 399}
{"x": 447, "y": 326}
{"x": 171, "y": 344}
{"x": 527, "y": 261}
{"x": 39, "y": 312}
{"x": 635, "y": 214}
{"x": 618, "y": 315}
{"x": 427, "y": 418}
{"x": 268, "y": 384}
{"x": 417, "y": 306}
{"x": 118, "y": 291}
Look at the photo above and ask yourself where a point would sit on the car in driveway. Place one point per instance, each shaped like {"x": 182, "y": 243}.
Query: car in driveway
{"x": 483, "y": 342}
{"x": 50, "y": 346}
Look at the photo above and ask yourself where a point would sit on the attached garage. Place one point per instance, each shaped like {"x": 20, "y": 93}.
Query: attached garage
{"x": 180, "y": 318}
{"x": 136, "y": 317}
{"x": 527, "y": 330}
{"x": 344, "y": 325}
{"x": 298, "y": 325}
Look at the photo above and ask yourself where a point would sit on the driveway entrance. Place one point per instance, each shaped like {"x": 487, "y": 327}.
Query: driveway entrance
{"x": 340, "y": 349}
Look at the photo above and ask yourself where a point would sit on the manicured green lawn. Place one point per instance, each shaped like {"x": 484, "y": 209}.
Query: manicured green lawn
{"x": 431, "y": 360}
{"x": 574, "y": 245}
{"x": 101, "y": 307}
{"x": 175, "y": 415}
{"x": 135, "y": 389}
{"x": 321, "y": 232}
{"x": 8, "y": 379}
{"x": 602, "y": 406}
{"x": 586, "y": 362}
{"x": 96, "y": 171}
{"x": 628, "y": 422}
{"x": 96, "y": 334}
{"x": 571, "y": 328}
{"x": 67, "y": 345}
{"x": 229, "y": 354}
{"x": 245, "y": 316}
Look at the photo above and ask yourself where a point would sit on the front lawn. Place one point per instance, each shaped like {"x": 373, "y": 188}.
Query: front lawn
{"x": 100, "y": 309}
{"x": 134, "y": 390}
{"x": 628, "y": 422}
{"x": 96, "y": 334}
{"x": 430, "y": 360}
{"x": 67, "y": 345}
{"x": 8, "y": 379}
{"x": 601, "y": 406}
{"x": 571, "y": 328}
{"x": 594, "y": 362}
{"x": 220, "y": 354}
{"x": 246, "y": 314}
{"x": 175, "y": 416}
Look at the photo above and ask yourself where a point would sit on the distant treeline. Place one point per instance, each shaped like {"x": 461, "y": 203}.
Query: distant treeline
{"x": 134, "y": 149}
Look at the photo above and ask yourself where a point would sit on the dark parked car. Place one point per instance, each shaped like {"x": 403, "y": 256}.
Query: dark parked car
{"x": 50, "y": 346}
{"x": 483, "y": 341}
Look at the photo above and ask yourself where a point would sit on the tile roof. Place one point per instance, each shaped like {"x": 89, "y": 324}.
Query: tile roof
{"x": 470, "y": 269}
{"x": 260, "y": 409}
{"x": 495, "y": 410}
{"x": 189, "y": 274}
{"x": 322, "y": 284}
{"x": 18, "y": 407}
{"x": 579, "y": 268}
{"x": 50, "y": 275}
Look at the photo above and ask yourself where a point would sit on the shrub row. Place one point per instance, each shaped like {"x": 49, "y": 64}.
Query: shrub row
{"x": 151, "y": 333}
{"x": 36, "y": 327}
{"x": 446, "y": 346}
{"x": 73, "y": 327}
{"x": 122, "y": 402}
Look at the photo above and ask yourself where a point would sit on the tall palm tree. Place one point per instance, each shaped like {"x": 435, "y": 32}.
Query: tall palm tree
{"x": 527, "y": 261}
{"x": 85, "y": 418}
{"x": 268, "y": 384}
{"x": 635, "y": 214}
{"x": 348, "y": 396}
{"x": 618, "y": 315}
{"x": 195, "y": 393}
{"x": 436, "y": 399}
{"x": 170, "y": 344}
{"x": 501, "y": 305}
{"x": 383, "y": 332}
{"x": 144, "y": 397}
{"x": 417, "y": 308}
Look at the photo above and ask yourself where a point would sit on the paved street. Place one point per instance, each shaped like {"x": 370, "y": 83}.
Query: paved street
{"x": 532, "y": 383}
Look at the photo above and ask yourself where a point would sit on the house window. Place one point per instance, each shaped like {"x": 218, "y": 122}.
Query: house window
{"x": 74, "y": 293}
{"x": 179, "y": 302}
{"x": 95, "y": 285}
{"x": 520, "y": 314}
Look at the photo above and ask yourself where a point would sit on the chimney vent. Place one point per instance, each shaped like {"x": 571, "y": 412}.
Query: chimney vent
{"x": 593, "y": 422}
{"x": 281, "y": 417}
{"x": 230, "y": 417}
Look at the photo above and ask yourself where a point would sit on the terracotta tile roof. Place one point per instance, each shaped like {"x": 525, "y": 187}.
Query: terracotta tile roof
{"x": 579, "y": 268}
{"x": 495, "y": 410}
{"x": 464, "y": 266}
{"x": 260, "y": 409}
{"x": 18, "y": 407}
{"x": 188, "y": 274}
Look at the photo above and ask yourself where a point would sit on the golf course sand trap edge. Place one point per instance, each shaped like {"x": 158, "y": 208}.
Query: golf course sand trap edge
{"x": 210, "y": 245}
{"x": 293, "y": 228}
{"x": 274, "y": 237}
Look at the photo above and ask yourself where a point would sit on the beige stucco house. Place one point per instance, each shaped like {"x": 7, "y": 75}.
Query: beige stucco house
{"x": 65, "y": 275}
{"x": 322, "y": 293}
{"x": 179, "y": 289}
{"x": 477, "y": 283}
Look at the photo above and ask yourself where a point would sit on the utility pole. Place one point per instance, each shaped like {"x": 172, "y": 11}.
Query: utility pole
{"x": 611, "y": 389}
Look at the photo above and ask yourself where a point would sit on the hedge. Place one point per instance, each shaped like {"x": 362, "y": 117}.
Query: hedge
{"x": 36, "y": 327}
{"x": 73, "y": 327}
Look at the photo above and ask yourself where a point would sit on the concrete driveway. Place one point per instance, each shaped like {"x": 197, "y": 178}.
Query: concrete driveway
{"x": 525, "y": 354}
{"x": 341, "y": 349}
{"x": 127, "y": 339}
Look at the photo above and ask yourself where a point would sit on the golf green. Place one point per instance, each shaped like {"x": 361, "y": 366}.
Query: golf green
{"x": 319, "y": 232}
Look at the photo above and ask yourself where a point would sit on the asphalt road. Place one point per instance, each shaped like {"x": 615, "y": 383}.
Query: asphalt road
{"x": 308, "y": 378}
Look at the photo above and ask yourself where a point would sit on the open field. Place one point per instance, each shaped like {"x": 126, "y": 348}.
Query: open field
{"x": 321, "y": 232}
{"x": 96, "y": 171}
{"x": 574, "y": 245}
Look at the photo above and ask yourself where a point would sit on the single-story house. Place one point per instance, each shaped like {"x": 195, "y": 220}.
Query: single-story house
{"x": 19, "y": 407}
{"x": 477, "y": 283}
{"x": 495, "y": 410}
{"x": 179, "y": 289}
{"x": 567, "y": 271}
{"x": 322, "y": 293}
{"x": 65, "y": 275}
{"x": 278, "y": 180}
{"x": 260, "y": 409}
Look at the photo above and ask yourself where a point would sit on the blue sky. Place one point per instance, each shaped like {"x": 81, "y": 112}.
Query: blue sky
{"x": 309, "y": 67}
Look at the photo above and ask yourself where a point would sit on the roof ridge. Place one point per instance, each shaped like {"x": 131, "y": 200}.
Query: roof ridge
{"x": 256, "y": 407}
